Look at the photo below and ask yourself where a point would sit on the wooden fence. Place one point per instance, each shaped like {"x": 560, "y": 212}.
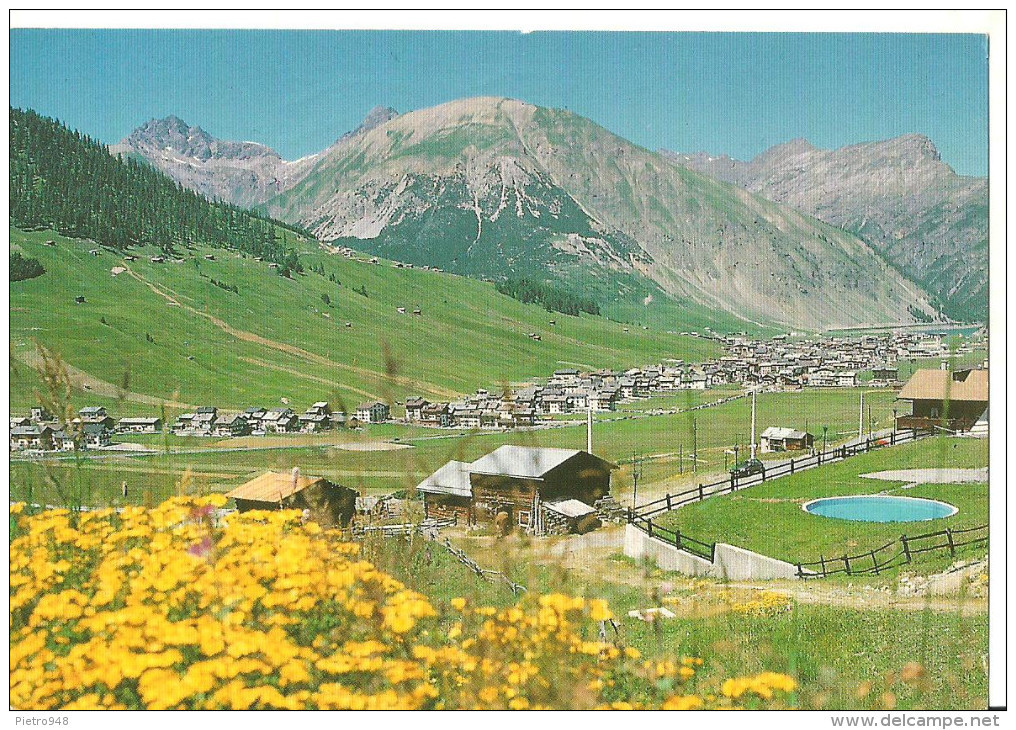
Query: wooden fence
{"x": 705, "y": 550}
{"x": 888, "y": 556}
{"x": 731, "y": 484}
{"x": 491, "y": 575}
{"x": 895, "y": 553}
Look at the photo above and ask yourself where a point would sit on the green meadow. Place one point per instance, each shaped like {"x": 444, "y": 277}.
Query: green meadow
{"x": 768, "y": 518}
{"x": 660, "y": 442}
{"x": 844, "y": 657}
{"x": 165, "y": 330}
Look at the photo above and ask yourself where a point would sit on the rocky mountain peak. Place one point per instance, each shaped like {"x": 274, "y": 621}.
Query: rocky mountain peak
{"x": 375, "y": 118}
{"x": 173, "y": 135}
{"x": 917, "y": 146}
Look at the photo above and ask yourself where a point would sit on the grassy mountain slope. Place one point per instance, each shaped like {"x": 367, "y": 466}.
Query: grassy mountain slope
{"x": 494, "y": 186}
{"x": 272, "y": 340}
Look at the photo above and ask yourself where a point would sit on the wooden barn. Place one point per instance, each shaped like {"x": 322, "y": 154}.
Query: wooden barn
{"x": 447, "y": 493}
{"x": 329, "y": 505}
{"x": 520, "y": 481}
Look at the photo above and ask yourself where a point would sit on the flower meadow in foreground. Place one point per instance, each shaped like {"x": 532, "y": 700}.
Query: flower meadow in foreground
{"x": 169, "y": 608}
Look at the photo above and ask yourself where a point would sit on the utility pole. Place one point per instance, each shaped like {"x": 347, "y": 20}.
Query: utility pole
{"x": 635, "y": 473}
{"x": 860, "y": 418}
{"x": 753, "y": 423}
{"x": 694, "y": 448}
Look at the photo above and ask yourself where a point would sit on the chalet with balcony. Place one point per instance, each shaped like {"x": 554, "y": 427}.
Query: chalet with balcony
{"x": 950, "y": 400}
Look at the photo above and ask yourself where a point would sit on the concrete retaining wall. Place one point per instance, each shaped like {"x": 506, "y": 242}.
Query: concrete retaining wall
{"x": 731, "y": 562}
{"x": 639, "y": 545}
{"x": 739, "y": 564}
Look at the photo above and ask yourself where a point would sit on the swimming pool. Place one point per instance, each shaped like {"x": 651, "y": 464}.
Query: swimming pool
{"x": 879, "y": 508}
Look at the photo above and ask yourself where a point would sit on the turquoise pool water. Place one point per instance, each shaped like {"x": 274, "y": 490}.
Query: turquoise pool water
{"x": 878, "y": 508}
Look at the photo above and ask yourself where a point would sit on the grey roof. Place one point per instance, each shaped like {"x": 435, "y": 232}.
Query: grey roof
{"x": 522, "y": 461}
{"x": 569, "y": 508}
{"x": 452, "y": 478}
{"x": 29, "y": 430}
{"x": 780, "y": 432}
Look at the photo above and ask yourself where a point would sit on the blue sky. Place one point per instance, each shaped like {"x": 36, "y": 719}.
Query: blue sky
{"x": 737, "y": 94}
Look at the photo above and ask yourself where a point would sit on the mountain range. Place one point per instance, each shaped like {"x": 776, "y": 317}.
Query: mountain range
{"x": 498, "y": 188}
{"x": 897, "y": 194}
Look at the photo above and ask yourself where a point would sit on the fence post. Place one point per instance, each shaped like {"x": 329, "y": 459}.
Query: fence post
{"x": 677, "y": 539}
{"x": 701, "y": 493}
{"x": 669, "y": 508}
{"x": 906, "y": 547}
{"x": 791, "y": 464}
{"x": 846, "y": 562}
{"x": 822, "y": 559}
{"x": 649, "y": 524}
{"x": 800, "y": 571}
{"x": 732, "y": 485}
{"x": 952, "y": 545}
{"x": 892, "y": 438}
{"x": 874, "y": 561}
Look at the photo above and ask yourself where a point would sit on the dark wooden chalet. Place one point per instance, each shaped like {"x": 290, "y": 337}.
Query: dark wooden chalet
{"x": 519, "y": 480}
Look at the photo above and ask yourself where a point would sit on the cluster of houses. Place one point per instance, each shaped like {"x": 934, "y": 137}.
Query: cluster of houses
{"x": 258, "y": 421}
{"x": 94, "y": 427}
{"x": 540, "y": 491}
{"x": 774, "y": 364}
{"x": 829, "y": 362}
{"x": 537, "y": 490}
{"x": 42, "y": 431}
{"x": 568, "y": 391}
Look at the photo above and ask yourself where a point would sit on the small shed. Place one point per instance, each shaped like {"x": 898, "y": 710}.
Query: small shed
{"x": 329, "y": 504}
{"x": 776, "y": 438}
{"x": 569, "y": 515}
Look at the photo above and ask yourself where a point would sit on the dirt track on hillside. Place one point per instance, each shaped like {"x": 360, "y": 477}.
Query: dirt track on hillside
{"x": 79, "y": 379}
{"x": 246, "y": 336}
